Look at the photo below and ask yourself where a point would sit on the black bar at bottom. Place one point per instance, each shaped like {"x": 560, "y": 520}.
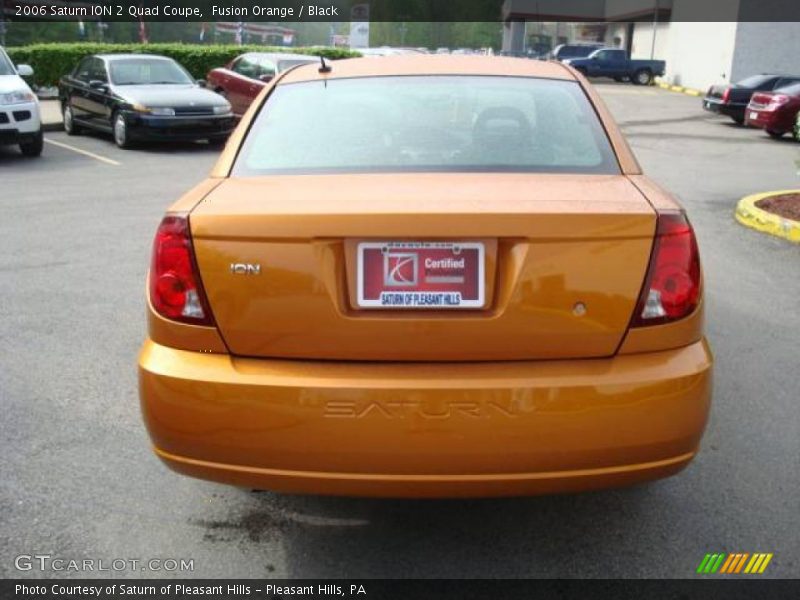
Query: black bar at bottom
{"x": 405, "y": 589}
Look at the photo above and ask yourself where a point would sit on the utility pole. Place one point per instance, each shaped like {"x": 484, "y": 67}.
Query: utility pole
{"x": 655, "y": 27}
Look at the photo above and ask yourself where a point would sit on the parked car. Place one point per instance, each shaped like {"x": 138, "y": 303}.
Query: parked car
{"x": 318, "y": 324}
{"x": 615, "y": 63}
{"x": 20, "y": 120}
{"x": 565, "y": 51}
{"x": 774, "y": 112}
{"x": 242, "y": 79}
{"x": 141, "y": 97}
{"x": 732, "y": 100}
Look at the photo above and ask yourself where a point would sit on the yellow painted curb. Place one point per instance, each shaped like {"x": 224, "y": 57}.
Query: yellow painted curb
{"x": 749, "y": 215}
{"x": 678, "y": 88}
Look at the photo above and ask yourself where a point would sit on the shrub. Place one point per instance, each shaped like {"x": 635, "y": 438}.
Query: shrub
{"x": 51, "y": 61}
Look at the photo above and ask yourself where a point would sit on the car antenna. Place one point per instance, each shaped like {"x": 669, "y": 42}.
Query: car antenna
{"x": 324, "y": 67}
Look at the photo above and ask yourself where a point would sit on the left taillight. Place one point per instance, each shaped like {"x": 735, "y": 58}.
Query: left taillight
{"x": 176, "y": 291}
{"x": 672, "y": 287}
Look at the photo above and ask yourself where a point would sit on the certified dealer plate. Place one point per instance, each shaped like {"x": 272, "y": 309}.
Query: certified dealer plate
{"x": 420, "y": 275}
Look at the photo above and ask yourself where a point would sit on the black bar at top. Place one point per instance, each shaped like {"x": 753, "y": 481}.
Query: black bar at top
{"x": 403, "y": 10}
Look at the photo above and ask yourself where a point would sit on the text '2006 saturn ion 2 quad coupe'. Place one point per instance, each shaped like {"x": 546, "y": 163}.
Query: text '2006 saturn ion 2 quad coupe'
{"x": 142, "y": 97}
{"x": 426, "y": 276}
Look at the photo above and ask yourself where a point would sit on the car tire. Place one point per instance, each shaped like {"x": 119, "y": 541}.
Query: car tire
{"x": 34, "y": 147}
{"x": 775, "y": 135}
{"x": 642, "y": 77}
{"x": 619, "y": 79}
{"x": 738, "y": 120}
{"x": 119, "y": 129}
{"x": 70, "y": 127}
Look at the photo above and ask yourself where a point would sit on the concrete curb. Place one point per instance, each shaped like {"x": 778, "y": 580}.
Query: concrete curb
{"x": 678, "y": 88}
{"x": 749, "y": 215}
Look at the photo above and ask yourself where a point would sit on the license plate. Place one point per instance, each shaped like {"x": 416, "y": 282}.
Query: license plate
{"x": 754, "y": 116}
{"x": 421, "y": 275}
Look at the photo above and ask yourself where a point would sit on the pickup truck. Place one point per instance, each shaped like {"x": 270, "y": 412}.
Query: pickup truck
{"x": 614, "y": 63}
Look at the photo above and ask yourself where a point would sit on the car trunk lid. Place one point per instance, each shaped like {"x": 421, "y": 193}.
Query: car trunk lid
{"x": 562, "y": 263}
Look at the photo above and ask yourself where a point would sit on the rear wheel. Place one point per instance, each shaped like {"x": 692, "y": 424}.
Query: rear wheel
{"x": 643, "y": 77}
{"x": 34, "y": 146}
{"x": 69, "y": 121}
{"x": 775, "y": 135}
{"x": 121, "y": 138}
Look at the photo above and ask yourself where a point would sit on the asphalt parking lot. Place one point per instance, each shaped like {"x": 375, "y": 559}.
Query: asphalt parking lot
{"x": 79, "y": 480}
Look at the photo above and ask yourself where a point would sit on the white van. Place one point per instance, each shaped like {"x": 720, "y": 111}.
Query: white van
{"x": 20, "y": 120}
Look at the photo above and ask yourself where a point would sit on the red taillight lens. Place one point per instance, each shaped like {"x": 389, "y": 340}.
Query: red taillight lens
{"x": 726, "y": 95}
{"x": 778, "y": 100}
{"x": 672, "y": 286}
{"x": 175, "y": 288}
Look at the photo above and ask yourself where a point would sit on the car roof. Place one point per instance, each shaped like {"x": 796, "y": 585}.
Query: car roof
{"x": 131, "y": 55}
{"x": 431, "y": 64}
{"x": 282, "y": 56}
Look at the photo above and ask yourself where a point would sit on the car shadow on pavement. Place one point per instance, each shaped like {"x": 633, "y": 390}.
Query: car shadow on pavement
{"x": 549, "y": 536}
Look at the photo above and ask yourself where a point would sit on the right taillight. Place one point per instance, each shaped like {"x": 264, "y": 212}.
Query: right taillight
{"x": 777, "y": 101}
{"x": 175, "y": 289}
{"x": 672, "y": 287}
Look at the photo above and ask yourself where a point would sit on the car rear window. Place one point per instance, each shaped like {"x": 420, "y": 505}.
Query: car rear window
{"x": 292, "y": 62}
{"x": 427, "y": 123}
{"x": 792, "y": 89}
{"x": 755, "y": 81}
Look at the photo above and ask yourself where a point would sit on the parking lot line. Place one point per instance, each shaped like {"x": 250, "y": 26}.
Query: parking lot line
{"x": 84, "y": 152}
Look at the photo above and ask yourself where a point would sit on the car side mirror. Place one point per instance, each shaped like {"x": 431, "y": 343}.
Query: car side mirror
{"x": 98, "y": 85}
{"x": 25, "y": 70}
{"x": 202, "y": 83}
{"x": 266, "y": 78}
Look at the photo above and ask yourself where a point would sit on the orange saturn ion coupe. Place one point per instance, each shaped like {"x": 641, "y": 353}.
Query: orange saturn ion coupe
{"x": 426, "y": 276}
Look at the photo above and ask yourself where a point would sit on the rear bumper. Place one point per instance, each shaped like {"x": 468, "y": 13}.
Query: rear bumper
{"x": 480, "y": 429}
{"x": 735, "y": 111}
{"x": 770, "y": 119}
